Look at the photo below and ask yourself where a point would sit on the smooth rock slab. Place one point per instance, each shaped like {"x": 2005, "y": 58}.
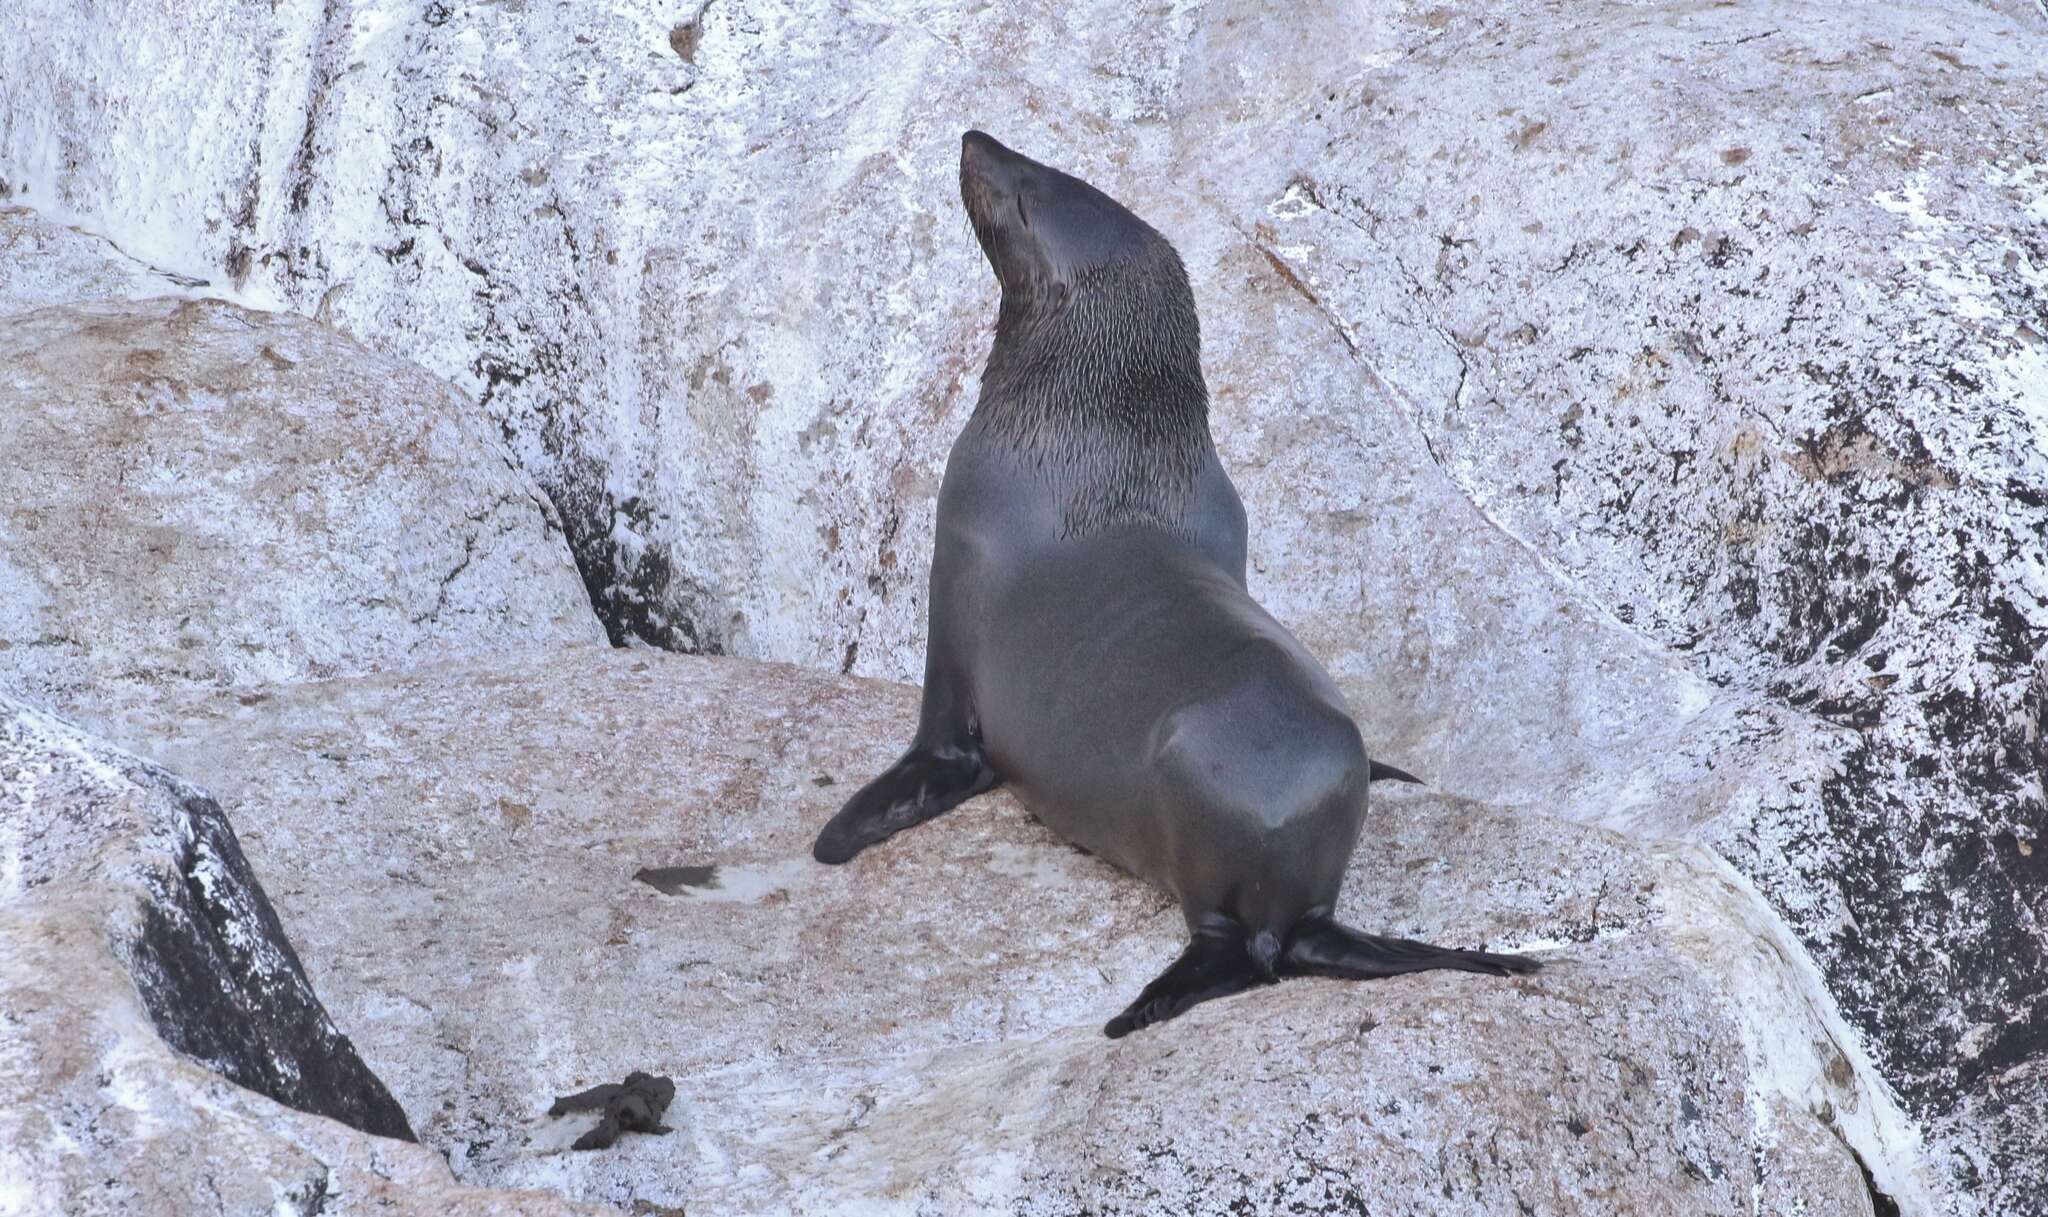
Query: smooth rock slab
{"x": 192, "y": 493}
{"x": 143, "y": 974}
{"x": 44, "y": 263}
{"x": 458, "y": 848}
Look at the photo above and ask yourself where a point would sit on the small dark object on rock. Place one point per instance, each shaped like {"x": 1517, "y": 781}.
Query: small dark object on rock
{"x": 671, "y": 880}
{"x": 634, "y": 1106}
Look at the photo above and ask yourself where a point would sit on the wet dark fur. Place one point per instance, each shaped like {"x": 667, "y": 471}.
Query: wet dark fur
{"x": 1101, "y": 380}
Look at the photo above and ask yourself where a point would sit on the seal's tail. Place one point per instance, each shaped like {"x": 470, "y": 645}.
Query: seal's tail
{"x": 1387, "y": 773}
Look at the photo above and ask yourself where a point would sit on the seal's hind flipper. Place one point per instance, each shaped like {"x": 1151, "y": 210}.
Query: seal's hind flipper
{"x": 1321, "y": 947}
{"x": 924, "y": 783}
{"x": 1217, "y": 963}
{"x": 1387, "y": 773}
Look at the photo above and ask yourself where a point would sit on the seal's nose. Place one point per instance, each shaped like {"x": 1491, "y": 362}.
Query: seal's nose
{"x": 974, "y": 154}
{"x": 983, "y": 157}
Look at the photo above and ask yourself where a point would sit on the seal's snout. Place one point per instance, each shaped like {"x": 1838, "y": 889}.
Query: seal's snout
{"x": 977, "y": 143}
{"x": 974, "y": 155}
{"x": 979, "y": 148}
{"x": 989, "y": 188}
{"x": 986, "y": 166}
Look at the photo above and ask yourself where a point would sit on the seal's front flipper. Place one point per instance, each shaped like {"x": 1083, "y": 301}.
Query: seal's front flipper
{"x": 1217, "y": 963}
{"x": 1321, "y": 947}
{"x": 926, "y": 782}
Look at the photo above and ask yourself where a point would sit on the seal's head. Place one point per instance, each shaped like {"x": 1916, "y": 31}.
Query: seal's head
{"x": 1096, "y": 368}
{"x": 1047, "y": 233}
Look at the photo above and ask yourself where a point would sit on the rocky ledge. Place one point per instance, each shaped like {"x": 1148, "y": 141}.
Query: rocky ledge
{"x": 514, "y": 879}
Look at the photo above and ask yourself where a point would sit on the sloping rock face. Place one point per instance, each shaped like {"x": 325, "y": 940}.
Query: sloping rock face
{"x": 1638, "y": 405}
{"x": 194, "y": 493}
{"x": 517, "y": 879}
{"x": 207, "y": 957}
{"x": 1762, "y": 372}
{"x": 146, "y": 983}
{"x": 221, "y": 983}
{"x": 44, "y": 263}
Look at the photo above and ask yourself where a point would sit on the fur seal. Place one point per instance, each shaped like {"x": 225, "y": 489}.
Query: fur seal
{"x": 1092, "y": 644}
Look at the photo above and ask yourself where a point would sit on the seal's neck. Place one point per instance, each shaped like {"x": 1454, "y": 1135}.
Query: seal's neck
{"x": 1100, "y": 386}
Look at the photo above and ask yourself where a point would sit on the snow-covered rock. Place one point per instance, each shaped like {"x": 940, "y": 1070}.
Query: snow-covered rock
{"x": 1639, "y": 405}
{"x": 162, "y": 1050}
{"x": 516, "y": 879}
{"x": 194, "y": 493}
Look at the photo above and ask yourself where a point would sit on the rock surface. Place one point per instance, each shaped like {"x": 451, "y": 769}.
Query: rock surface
{"x": 44, "y": 263}
{"x": 1761, "y": 371}
{"x": 1640, "y": 406}
{"x": 457, "y": 851}
{"x": 194, "y": 493}
{"x": 143, "y": 975}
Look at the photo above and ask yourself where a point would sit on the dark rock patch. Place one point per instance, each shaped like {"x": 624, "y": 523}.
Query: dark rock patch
{"x": 224, "y": 986}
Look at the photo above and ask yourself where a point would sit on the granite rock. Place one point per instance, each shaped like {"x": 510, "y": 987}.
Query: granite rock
{"x": 163, "y": 1050}
{"x": 195, "y": 493}
{"x": 522, "y": 878}
{"x": 1639, "y": 405}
